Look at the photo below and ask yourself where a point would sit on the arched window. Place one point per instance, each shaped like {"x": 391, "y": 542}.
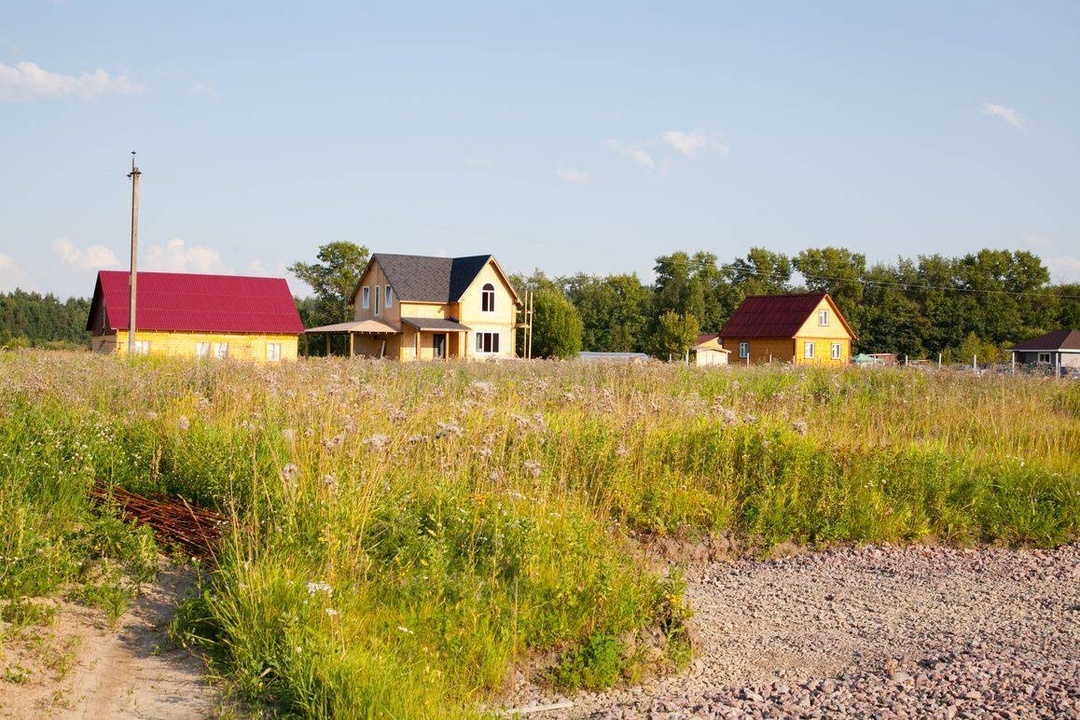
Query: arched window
{"x": 487, "y": 298}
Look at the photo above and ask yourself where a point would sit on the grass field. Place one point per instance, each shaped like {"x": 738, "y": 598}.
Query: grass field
{"x": 402, "y": 535}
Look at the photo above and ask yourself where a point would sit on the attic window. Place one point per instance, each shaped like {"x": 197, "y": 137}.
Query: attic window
{"x": 389, "y": 296}
{"x": 487, "y": 298}
{"x": 366, "y": 302}
{"x": 823, "y": 318}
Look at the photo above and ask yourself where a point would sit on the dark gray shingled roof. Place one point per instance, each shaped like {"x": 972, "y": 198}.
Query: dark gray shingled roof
{"x": 418, "y": 278}
{"x": 1057, "y": 340}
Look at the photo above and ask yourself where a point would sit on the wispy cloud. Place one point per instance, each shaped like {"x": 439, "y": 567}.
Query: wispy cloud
{"x": 175, "y": 256}
{"x": 1037, "y": 240}
{"x": 476, "y": 163}
{"x": 198, "y": 88}
{"x": 1007, "y": 114}
{"x": 1064, "y": 269}
{"x": 95, "y": 257}
{"x": 12, "y": 276}
{"x": 694, "y": 143}
{"x": 638, "y": 155}
{"x": 27, "y": 82}
{"x": 572, "y": 176}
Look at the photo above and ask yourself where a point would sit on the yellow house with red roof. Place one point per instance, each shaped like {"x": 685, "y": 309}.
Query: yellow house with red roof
{"x": 802, "y": 329}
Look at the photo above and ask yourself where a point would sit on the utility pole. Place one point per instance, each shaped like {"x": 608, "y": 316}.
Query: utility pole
{"x": 134, "y": 175}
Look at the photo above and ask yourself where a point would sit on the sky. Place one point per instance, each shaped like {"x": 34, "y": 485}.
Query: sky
{"x": 566, "y": 136}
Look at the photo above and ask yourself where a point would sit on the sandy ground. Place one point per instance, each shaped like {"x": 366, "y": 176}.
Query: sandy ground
{"x": 81, "y": 667}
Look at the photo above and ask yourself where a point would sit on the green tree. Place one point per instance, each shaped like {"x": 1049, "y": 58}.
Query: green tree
{"x": 675, "y": 334}
{"x": 838, "y": 272}
{"x": 761, "y": 272}
{"x": 613, "y": 309}
{"x": 557, "y": 326}
{"x": 333, "y": 279}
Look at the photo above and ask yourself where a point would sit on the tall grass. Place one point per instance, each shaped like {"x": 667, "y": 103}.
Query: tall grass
{"x": 404, "y": 534}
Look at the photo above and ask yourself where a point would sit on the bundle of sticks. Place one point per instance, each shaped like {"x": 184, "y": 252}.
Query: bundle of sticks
{"x": 173, "y": 519}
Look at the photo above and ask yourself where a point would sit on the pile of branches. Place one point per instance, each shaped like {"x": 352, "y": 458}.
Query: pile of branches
{"x": 173, "y": 519}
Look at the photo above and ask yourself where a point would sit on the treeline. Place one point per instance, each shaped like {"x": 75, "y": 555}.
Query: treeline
{"x": 29, "y": 319}
{"x": 976, "y": 304}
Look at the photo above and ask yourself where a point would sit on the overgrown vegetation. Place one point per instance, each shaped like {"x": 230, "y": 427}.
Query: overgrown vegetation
{"x": 402, "y": 535}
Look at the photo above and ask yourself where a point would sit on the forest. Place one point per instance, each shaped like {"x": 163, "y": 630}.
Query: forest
{"x": 976, "y": 304}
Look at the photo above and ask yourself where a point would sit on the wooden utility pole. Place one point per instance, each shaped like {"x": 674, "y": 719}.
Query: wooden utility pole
{"x": 134, "y": 175}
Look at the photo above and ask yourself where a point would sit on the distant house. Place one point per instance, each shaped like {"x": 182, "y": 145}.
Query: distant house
{"x": 189, "y": 315}
{"x": 708, "y": 350}
{"x": 1058, "y": 349}
{"x": 414, "y": 307}
{"x": 804, "y": 329}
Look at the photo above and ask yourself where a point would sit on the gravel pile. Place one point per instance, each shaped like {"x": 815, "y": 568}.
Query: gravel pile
{"x": 870, "y": 632}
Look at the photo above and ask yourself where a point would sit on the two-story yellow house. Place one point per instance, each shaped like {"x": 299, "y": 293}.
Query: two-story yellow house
{"x": 803, "y": 329}
{"x": 414, "y": 307}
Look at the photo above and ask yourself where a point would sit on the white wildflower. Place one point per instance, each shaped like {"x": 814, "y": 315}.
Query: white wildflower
{"x": 377, "y": 441}
{"x": 289, "y": 472}
{"x": 314, "y": 588}
{"x": 533, "y": 468}
{"x": 182, "y": 423}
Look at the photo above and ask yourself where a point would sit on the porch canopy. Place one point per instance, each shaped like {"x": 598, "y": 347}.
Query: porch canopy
{"x": 434, "y": 325}
{"x": 352, "y": 329}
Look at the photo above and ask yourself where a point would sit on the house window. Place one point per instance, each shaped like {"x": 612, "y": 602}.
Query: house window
{"x": 487, "y": 298}
{"x": 273, "y": 352}
{"x": 487, "y": 342}
{"x": 366, "y": 302}
{"x": 808, "y": 350}
{"x": 142, "y": 347}
{"x": 389, "y": 296}
{"x": 202, "y": 349}
{"x": 221, "y": 350}
{"x": 1044, "y": 357}
{"x": 823, "y": 318}
{"x": 836, "y": 349}
{"x": 744, "y": 349}
{"x": 377, "y": 289}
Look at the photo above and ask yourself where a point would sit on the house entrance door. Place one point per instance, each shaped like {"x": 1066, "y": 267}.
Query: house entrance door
{"x": 438, "y": 344}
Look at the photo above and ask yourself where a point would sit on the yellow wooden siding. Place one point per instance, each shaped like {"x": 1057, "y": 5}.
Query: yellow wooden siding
{"x": 374, "y": 279}
{"x": 424, "y": 310}
{"x": 502, "y": 320}
{"x": 762, "y": 350}
{"x": 813, "y": 329}
{"x": 240, "y": 346}
{"x": 822, "y": 351}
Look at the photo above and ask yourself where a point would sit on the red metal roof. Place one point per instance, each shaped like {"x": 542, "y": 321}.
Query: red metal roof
{"x": 186, "y": 302}
{"x": 776, "y": 316}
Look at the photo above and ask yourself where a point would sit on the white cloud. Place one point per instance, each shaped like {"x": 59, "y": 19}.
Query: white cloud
{"x": 27, "y": 82}
{"x": 175, "y": 256}
{"x": 571, "y": 176}
{"x": 475, "y": 163}
{"x": 197, "y": 88}
{"x": 1037, "y": 240}
{"x": 1007, "y": 114}
{"x": 13, "y": 277}
{"x": 1064, "y": 269}
{"x": 639, "y": 156}
{"x": 697, "y": 142}
{"x": 93, "y": 258}
{"x": 260, "y": 268}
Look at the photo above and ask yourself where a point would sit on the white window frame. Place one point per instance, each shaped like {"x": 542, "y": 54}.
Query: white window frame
{"x": 1044, "y": 357}
{"x": 487, "y": 298}
{"x": 142, "y": 347}
{"x": 487, "y": 343}
{"x": 823, "y": 318}
{"x": 837, "y": 349}
{"x": 808, "y": 350}
{"x": 202, "y": 349}
{"x": 744, "y": 350}
{"x": 366, "y": 298}
{"x": 273, "y": 352}
{"x": 221, "y": 350}
{"x": 389, "y": 297}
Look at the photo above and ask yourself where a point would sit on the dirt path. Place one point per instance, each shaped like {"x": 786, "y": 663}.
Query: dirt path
{"x": 80, "y": 667}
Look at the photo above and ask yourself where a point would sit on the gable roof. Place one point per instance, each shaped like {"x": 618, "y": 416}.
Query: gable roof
{"x": 186, "y": 302}
{"x": 422, "y": 278}
{"x": 1057, "y": 340}
{"x": 770, "y": 316}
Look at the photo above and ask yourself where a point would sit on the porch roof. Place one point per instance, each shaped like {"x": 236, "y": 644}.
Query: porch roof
{"x": 434, "y": 324}
{"x": 375, "y": 327}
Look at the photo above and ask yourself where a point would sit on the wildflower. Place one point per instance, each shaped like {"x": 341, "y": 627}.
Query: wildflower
{"x": 448, "y": 428}
{"x": 288, "y": 435}
{"x": 331, "y": 443}
{"x": 331, "y": 612}
{"x": 800, "y": 427}
{"x": 331, "y": 484}
{"x": 315, "y": 588}
{"x": 377, "y": 441}
{"x": 402, "y": 628}
{"x": 289, "y": 472}
{"x": 533, "y": 468}
{"x": 182, "y": 423}
{"x": 495, "y": 476}
{"x": 483, "y": 388}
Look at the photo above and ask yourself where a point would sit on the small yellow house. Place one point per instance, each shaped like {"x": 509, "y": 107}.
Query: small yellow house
{"x": 414, "y": 307}
{"x": 189, "y": 315}
{"x": 803, "y": 329}
{"x": 709, "y": 351}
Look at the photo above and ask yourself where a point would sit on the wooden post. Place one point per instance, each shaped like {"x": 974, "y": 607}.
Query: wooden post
{"x": 352, "y": 339}
{"x": 134, "y": 175}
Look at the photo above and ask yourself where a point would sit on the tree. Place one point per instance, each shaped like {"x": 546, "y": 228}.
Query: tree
{"x": 762, "y": 272}
{"x": 613, "y": 309}
{"x": 333, "y": 279}
{"x": 675, "y": 334}
{"x": 838, "y": 272}
{"x": 557, "y": 326}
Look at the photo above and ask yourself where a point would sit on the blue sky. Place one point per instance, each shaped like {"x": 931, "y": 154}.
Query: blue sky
{"x": 569, "y": 137}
